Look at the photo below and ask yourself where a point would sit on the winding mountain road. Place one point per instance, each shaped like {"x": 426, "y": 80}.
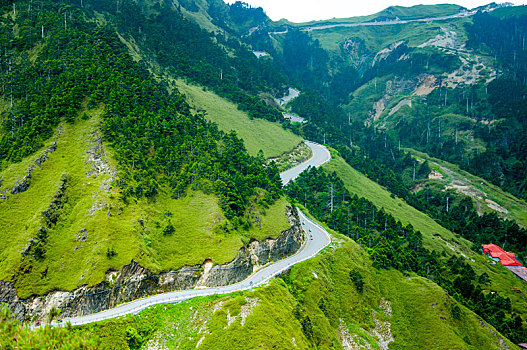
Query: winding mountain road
{"x": 291, "y": 95}
{"x": 320, "y": 156}
{"x": 317, "y": 239}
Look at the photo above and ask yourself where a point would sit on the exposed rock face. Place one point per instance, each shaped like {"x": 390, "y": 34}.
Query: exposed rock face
{"x": 37, "y": 245}
{"x": 392, "y": 88}
{"x": 99, "y": 166}
{"x": 25, "y": 182}
{"x": 82, "y": 235}
{"x": 134, "y": 281}
{"x": 258, "y": 254}
{"x": 97, "y": 160}
{"x": 45, "y": 155}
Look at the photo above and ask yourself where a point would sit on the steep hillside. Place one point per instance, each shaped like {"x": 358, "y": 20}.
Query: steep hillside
{"x": 336, "y": 300}
{"x": 15, "y": 334}
{"x": 257, "y": 134}
{"x": 435, "y": 237}
{"x": 363, "y": 187}
{"x": 488, "y": 197}
{"x": 416, "y": 81}
{"x": 217, "y": 16}
{"x": 130, "y": 165}
{"x": 421, "y": 246}
{"x": 368, "y": 41}
{"x": 445, "y": 87}
{"x": 439, "y": 87}
{"x": 101, "y": 165}
{"x": 200, "y": 12}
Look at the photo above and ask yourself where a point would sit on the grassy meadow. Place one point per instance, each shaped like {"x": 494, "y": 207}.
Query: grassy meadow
{"x": 435, "y": 236}
{"x": 258, "y": 134}
{"x": 517, "y": 208}
{"x": 314, "y": 306}
{"x": 93, "y": 208}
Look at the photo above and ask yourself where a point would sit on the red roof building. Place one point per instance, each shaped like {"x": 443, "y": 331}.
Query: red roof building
{"x": 519, "y": 271}
{"x": 505, "y": 258}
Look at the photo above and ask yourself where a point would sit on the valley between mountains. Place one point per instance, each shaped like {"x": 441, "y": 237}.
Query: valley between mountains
{"x": 157, "y": 189}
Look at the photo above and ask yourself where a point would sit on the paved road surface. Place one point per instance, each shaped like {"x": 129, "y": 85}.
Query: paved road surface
{"x": 317, "y": 238}
{"x": 292, "y": 94}
{"x": 294, "y": 118}
{"x": 320, "y": 156}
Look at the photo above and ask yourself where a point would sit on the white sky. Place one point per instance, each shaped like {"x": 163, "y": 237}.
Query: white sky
{"x": 307, "y": 10}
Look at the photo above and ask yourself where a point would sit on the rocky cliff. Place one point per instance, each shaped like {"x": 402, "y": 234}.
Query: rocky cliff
{"x": 25, "y": 182}
{"x": 134, "y": 281}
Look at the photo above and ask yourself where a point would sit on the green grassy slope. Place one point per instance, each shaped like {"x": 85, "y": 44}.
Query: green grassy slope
{"x": 318, "y": 306}
{"x": 356, "y": 19}
{"x": 517, "y": 208}
{"x": 434, "y": 235}
{"x": 360, "y": 185}
{"x": 450, "y": 122}
{"x": 211, "y": 323}
{"x": 199, "y": 14}
{"x": 16, "y": 335}
{"x": 364, "y": 97}
{"x": 133, "y": 230}
{"x": 507, "y": 12}
{"x": 421, "y": 11}
{"x": 258, "y": 134}
{"x": 377, "y": 37}
{"x": 401, "y": 12}
{"x": 420, "y": 315}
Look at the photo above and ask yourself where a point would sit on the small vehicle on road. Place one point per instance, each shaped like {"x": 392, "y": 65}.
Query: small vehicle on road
{"x": 309, "y": 230}
{"x": 37, "y": 323}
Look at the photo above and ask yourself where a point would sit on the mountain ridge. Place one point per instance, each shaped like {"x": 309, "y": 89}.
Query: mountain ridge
{"x": 155, "y": 169}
